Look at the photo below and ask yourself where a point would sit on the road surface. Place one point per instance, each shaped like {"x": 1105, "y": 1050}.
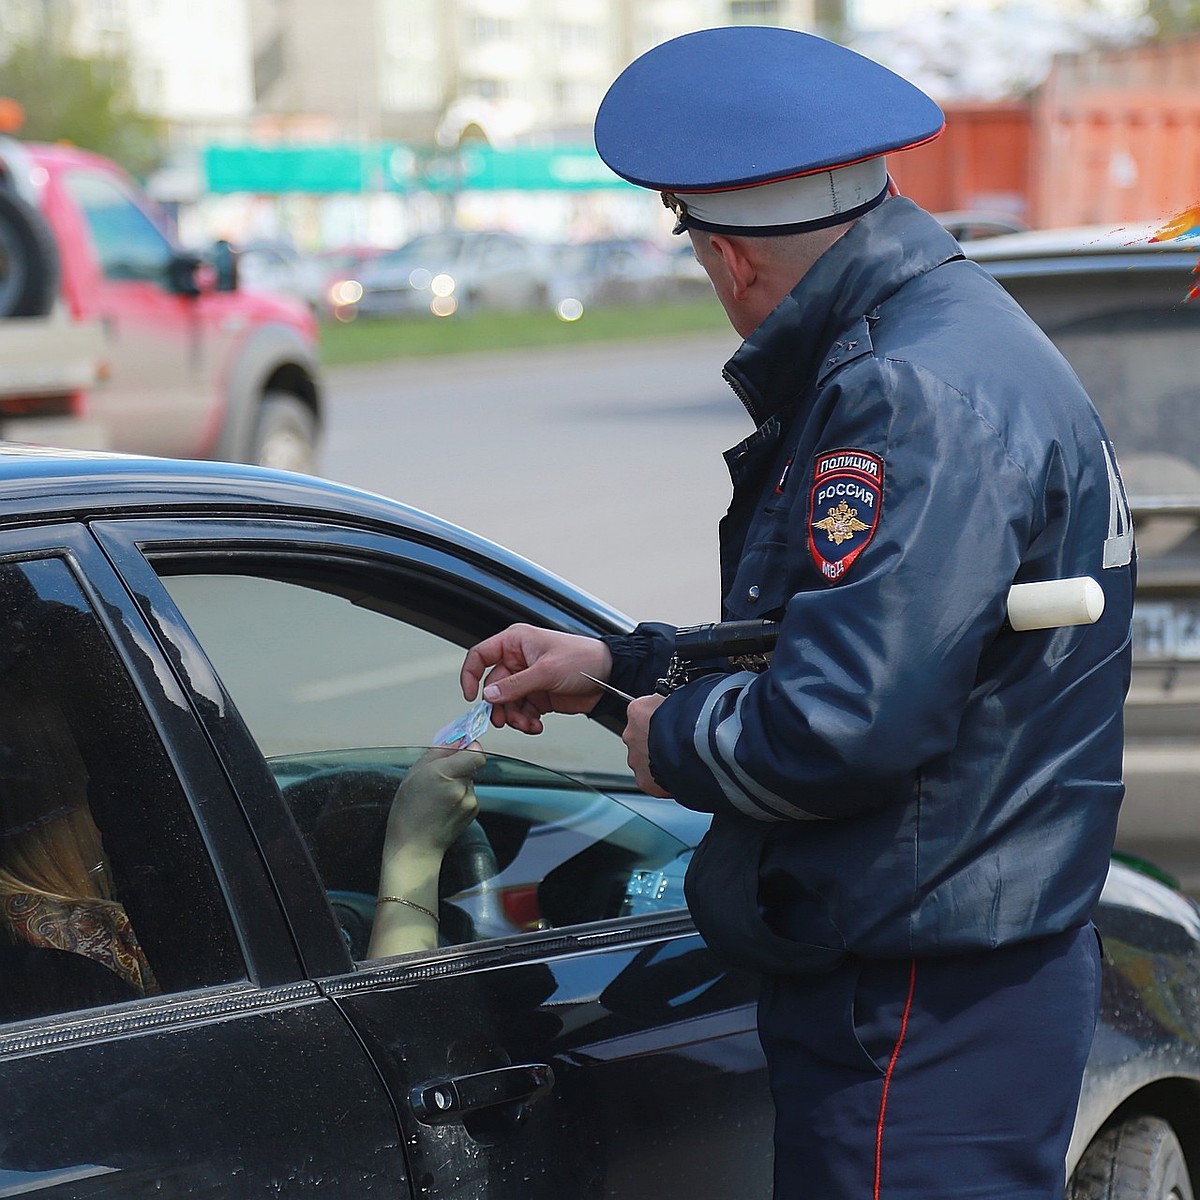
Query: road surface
{"x": 602, "y": 464}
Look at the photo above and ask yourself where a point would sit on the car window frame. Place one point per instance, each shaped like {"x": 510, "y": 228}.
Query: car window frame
{"x": 257, "y": 923}
{"x": 138, "y": 544}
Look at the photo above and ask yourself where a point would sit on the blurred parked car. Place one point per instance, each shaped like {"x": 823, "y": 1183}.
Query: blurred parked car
{"x": 112, "y": 336}
{"x": 278, "y": 267}
{"x": 688, "y": 277}
{"x": 1114, "y": 303}
{"x": 608, "y": 272}
{"x": 232, "y": 670}
{"x": 445, "y": 273}
{"x": 325, "y": 280}
{"x": 338, "y": 277}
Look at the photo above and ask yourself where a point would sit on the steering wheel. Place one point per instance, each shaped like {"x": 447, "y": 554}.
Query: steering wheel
{"x": 342, "y": 813}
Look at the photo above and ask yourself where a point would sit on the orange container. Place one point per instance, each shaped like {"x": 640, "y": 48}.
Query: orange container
{"x": 1118, "y": 137}
{"x": 1109, "y": 138}
{"x": 980, "y": 163}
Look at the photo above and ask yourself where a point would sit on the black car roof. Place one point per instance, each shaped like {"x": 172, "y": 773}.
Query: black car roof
{"x": 47, "y": 480}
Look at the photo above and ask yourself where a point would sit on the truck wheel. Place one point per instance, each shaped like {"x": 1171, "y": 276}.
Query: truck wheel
{"x": 1138, "y": 1159}
{"x": 286, "y": 434}
{"x": 28, "y": 260}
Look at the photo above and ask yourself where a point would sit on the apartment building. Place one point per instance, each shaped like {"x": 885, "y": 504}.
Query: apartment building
{"x": 419, "y": 71}
{"x": 428, "y": 76}
{"x": 448, "y": 71}
{"x": 190, "y": 63}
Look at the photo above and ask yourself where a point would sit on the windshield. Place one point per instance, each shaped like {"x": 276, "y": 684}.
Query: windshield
{"x": 1139, "y": 367}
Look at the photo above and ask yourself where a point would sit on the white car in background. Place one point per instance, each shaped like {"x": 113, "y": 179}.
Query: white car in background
{"x": 448, "y": 273}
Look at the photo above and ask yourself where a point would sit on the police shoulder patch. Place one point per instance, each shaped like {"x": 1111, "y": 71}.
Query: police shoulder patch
{"x": 847, "y": 495}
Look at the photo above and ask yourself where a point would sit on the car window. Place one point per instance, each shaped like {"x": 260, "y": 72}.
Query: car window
{"x": 544, "y": 852}
{"x": 98, "y": 846}
{"x": 342, "y": 697}
{"x": 432, "y": 250}
{"x": 1139, "y": 368}
{"x": 128, "y": 243}
{"x": 312, "y": 668}
{"x": 500, "y": 252}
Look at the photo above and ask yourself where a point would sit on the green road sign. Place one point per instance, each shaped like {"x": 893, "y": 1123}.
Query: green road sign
{"x": 346, "y": 167}
{"x": 342, "y": 167}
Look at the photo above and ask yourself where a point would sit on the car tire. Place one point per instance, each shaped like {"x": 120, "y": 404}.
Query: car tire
{"x": 28, "y": 260}
{"x": 285, "y": 436}
{"x": 1137, "y": 1159}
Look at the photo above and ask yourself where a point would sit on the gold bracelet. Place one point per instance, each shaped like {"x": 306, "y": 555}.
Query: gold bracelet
{"x": 409, "y": 904}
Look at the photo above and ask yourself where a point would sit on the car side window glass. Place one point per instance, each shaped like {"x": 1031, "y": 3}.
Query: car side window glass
{"x": 128, "y": 243}
{"x": 311, "y": 668}
{"x": 97, "y": 842}
{"x": 543, "y": 852}
{"x": 343, "y": 699}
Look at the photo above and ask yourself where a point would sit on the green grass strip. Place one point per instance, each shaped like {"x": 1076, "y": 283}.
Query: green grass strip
{"x": 378, "y": 339}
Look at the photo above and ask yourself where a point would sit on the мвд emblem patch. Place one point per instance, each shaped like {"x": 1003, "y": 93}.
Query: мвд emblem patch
{"x": 847, "y": 494}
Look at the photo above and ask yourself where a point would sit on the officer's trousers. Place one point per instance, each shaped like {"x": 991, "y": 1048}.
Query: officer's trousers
{"x": 919, "y": 1079}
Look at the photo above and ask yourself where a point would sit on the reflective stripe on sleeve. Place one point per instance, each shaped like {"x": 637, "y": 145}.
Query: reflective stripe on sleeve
{"x": 716, "y": 748}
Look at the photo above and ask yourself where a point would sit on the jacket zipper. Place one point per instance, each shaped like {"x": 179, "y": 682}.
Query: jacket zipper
{"x": 740, "y": 393}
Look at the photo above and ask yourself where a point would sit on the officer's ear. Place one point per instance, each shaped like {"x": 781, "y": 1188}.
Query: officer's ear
{"x": 738, "y": 262}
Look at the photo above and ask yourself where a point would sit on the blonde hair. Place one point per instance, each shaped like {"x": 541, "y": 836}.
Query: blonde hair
{"x": 61, "y": 858}
{"x": 49, "y": 844}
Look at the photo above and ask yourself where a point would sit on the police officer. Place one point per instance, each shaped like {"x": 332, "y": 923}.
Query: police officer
{"x": 913, "y": 805}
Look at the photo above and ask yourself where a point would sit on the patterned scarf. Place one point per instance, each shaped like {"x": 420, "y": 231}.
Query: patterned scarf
{"x": 98, "y": 930}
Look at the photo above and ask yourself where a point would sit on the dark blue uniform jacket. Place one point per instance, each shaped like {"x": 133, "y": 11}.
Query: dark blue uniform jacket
{"x": 909, "y": 776}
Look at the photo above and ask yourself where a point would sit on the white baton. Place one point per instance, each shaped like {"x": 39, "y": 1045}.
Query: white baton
{"x": 1055, "y": 602}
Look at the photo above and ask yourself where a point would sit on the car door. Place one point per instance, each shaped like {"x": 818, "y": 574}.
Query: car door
{"x": 570, "y": 1035}
{"x": 162, "y": 349}
{"x": 157, "y": 1037}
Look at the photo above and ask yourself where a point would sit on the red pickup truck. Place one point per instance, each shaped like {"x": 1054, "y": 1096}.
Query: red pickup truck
{"x": 111, "y": 337}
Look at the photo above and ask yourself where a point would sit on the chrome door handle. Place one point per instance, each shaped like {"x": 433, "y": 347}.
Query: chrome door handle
{"x": 443, "y": 1101}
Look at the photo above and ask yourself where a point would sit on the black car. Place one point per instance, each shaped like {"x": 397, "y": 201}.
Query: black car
{"x": 234, "y": 668}
{"x": 1116, "y": 304}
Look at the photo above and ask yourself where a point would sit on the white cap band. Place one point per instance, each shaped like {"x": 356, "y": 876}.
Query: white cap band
{"x": 789, "y": 202}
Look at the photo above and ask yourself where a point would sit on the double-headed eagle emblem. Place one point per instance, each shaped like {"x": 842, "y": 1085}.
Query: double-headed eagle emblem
{"x": 841, "y": 524}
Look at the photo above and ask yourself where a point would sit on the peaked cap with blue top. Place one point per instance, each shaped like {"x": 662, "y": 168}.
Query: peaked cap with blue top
{"x": 760, "y": 130}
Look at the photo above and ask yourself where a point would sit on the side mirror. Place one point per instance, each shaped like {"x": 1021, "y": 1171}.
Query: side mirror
{"x": 181, "y": 274}
{"x": 225, "y": 263}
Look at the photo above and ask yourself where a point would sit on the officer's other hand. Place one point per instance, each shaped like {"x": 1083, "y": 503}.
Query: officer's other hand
{"x": 528, "y": 672}
{"x": 636, "y": 738}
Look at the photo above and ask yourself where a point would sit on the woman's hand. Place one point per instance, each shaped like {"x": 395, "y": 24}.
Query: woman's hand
{"x": 435, "y": 803}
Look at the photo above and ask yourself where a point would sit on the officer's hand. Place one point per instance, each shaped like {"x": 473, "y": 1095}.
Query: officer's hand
{"x": 532, "y": 671}
{"x": 636, "y": 738}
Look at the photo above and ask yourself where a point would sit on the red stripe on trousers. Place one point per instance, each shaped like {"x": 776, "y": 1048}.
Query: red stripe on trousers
{"x": 891, "y": 1067}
